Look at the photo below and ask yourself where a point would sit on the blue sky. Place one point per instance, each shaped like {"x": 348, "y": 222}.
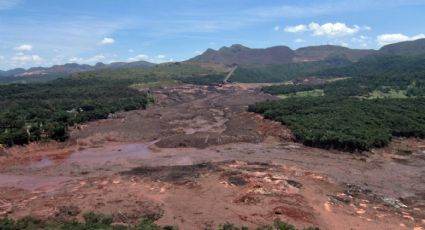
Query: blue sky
{"x": 48, "y": 32}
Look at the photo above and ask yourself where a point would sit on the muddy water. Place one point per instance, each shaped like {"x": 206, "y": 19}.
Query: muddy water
{"x": 120, "y": 153}
{"x": 44, "y": 162}
{"x": 31, "y": 182}
{"x": 47, "y": 172}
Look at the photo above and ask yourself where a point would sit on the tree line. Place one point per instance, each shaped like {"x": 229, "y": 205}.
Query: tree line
{"x": 349, "y": 124}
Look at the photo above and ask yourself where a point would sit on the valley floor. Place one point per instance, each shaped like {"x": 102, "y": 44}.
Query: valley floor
{"x": 199, "y": 160}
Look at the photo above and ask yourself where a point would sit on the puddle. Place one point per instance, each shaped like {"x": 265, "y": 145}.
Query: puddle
{"x": 120, "y": 153}
{"x": 31, "y": 182}
{"x": 44, "y": 162}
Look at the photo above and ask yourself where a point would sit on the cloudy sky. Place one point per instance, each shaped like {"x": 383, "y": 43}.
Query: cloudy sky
{"x": 48, "y": 32}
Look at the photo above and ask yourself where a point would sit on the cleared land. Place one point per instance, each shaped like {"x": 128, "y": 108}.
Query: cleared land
{"x": 198, "y": 159}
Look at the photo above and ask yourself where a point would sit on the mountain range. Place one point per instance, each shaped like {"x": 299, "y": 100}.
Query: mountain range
{"x": 70, "y": 68}
{"x": 240, "y": 55}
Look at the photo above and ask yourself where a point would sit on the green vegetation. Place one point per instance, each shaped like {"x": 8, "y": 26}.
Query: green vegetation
{"x": 32, "y": 79}
{"x": 210, "y": 79}
{"x": 390, "y": 93}
{"x": 347, "y": 123}
{"x": 283, "y": 72}
{"x": 265, "y": 73}
{"x": 310, "y": 93}
{"x": 94, "y": 221}
{"x": 390, "y": 75}
{"x": 154, "y": 84}
{"x": 277, "y": 225}
{"x": 34, "y": 112}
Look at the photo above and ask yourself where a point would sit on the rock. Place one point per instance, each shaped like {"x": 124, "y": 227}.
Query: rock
{"x": 335, "y": 198}
{"x": 294, "y": 183}
{"x": 361, "y": 211}
{"x": 237, "y": 180}
{"x": 393, "y": 202}
{"x": 2, "y": 150}
{"x": 355, "y": 190}
{"x": 68, "y": 211}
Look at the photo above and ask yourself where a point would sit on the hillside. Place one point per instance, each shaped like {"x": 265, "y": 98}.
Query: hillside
{"x": 69, "y": 68}
{"x": 378, "y": 97}
{"x": 318, "y": 53}
{"x": 408, "y": 48}
{"x": 241, "y": 55}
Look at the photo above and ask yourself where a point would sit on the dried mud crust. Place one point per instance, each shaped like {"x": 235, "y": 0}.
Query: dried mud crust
{"x": 189, "y": 116}
{"x": 204, "y": 194}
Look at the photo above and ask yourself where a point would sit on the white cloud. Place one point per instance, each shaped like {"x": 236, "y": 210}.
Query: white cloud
{"x": 21, "y": 58}
{"x": 90, "y": 60}
{"x": 362, "y": 40}
{"x": 139, "y": 57}
{"x": 343, "y": 44}
{"x": 130, "y": 50}
{"x": 319, "y": 8}
{"x": 2, "y": 58}
{"x": 385, "y": 39}
{"x": 7, "y": 4}
{"x": 296, "y": 29}
{"x": 276, "y": 28}
{"x": 197, "y": 52}
{"x": 337, "y": 29}
{"x": 299, "y": 40}
{"x": 160, "y": 58}
{"x": 24, "y": 47}
{"x": 333, "y": 29}
{"x": 107, "y": 41}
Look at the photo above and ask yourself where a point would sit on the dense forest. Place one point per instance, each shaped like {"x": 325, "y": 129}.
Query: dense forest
{"x": 33, "y": 112}
{"x": 377, "y": 73}
{"x": 283, "y": 72}
{"x": 267, "y": 73}
{"x": 381, "y": 97}
{"x": 347, "y": 123}
{"x": 209, "y": 79}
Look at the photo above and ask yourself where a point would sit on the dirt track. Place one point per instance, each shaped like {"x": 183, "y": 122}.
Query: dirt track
{"x": 199, "y": 159}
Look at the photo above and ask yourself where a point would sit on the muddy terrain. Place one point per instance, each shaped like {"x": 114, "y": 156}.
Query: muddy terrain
{"x": 197, "y": 159}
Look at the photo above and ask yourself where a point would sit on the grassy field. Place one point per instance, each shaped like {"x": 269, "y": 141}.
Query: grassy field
{"x": 310, "y": 93}
{"x": 392, "y": 93}
{"x": 154, "y": 84}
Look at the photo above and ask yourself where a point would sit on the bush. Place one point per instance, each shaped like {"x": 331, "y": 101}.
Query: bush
{"x": 93, "y": 221}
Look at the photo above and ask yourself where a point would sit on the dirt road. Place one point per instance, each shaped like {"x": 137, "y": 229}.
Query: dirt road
{"x": 197, "y": 159}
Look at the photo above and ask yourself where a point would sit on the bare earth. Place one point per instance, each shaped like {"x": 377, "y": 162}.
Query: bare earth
{"x": 199, "y": 159}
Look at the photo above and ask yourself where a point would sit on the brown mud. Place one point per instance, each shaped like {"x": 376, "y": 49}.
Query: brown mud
{"x": 197, "y": 159}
